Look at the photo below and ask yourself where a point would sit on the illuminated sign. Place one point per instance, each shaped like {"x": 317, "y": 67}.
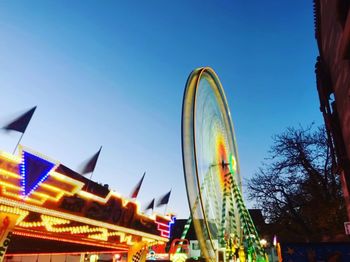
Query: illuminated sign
{"x": 164, "y": 226}
{"x": 7, "y": 223}
{"x": 54, "y": 202}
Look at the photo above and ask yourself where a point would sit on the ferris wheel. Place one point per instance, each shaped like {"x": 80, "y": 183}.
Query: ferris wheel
{"x": 211, "y": 167}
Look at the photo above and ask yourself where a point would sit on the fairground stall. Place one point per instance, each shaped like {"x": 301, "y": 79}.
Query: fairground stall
{"x": 48, "y": 212}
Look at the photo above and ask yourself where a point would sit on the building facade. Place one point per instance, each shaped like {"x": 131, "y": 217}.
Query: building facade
{"x": 332, "y": 31}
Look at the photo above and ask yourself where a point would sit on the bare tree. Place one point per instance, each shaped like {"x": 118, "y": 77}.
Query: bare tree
{"x": 297, "y": 187}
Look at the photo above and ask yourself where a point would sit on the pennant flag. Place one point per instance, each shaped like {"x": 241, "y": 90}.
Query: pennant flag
{"x": 136, "y": 190}
{"x": 89, "y": 165}
{"x": 20, "y": 124}
{"x": 164, "y": 199}
{"x": 34, "y": 170}
{"x": 150, "y": 205}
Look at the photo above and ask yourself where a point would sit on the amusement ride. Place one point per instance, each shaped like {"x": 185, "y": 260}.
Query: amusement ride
{"x": 221, "y": 220}
{"x": 47, "y": 208}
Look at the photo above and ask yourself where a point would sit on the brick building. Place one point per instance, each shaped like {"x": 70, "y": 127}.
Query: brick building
{"x": 332, "y": 29}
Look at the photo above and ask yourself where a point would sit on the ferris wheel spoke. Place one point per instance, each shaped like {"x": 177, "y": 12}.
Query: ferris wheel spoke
{"x": 215, "y": 197}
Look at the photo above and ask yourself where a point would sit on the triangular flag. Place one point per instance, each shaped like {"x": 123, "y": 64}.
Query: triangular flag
{"x": 90, "y": 164}
{"x": 136, "y": 190}
{"x": 34, "y": 171}
{"x": 164, "y": 199}
{"x": 20, "y": 123}
{"x": 150, "y": 205}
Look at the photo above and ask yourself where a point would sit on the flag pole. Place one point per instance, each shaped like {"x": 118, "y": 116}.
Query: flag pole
{"x": 166, "y": 207}
{"x": 91, "y": 174}
{"x": 87, "y": 187}
{"x": 90, "y": 166}
{"x": 17, "y": 143}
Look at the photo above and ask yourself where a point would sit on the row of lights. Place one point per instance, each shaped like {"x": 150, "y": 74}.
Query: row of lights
{"x": 164, "y": 232}
{"x": 41, "y": 236}
{"x": 14, "y": 210}
{"x": 72, "y": 217}
{"x": 49, "y": 222}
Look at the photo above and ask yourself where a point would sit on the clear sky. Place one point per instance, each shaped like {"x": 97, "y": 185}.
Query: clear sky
{"x": 112, "y": 73}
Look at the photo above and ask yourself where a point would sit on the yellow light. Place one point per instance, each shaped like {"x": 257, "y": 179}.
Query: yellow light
{"x": 178, "y": 257}
{"x": 10, "y": 194}
{"x": 36, "y": 153}
{"x": 6, "y": 184}
{"x": 145, "y": 239}
{"x": 30, "y": 224}
{"x": 94, "y": 258}
{"x": 69, "y": 253}
{"x": 4, "y": 172}
{"x": 263, "y": 242}
{"x": 102, "y": 236}
{"x": 41, "y": 236}
{"x": 87, "y": 195}
{"x": 40, "y": 198}
{"x": 43, "y": 197}
{"x": 78, "y": 185}
{"x": 14, "y": 210}
{"x": 19, "y": 196}
{"x": 84, "y": 220}
{"x": 123, "y": 237}
{"x": 50, "y": 222}
{"x": 12, "y": 158}
{"x": 52, "y": 188}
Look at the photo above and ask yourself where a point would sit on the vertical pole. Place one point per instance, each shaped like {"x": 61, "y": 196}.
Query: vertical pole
{"x": 17, "y": 143}
{"x": 166, "y": 207}
{"x": 87, "y": 187}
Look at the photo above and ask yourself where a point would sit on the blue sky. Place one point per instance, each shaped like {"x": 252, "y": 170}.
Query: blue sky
{"x": 112, "y": 73}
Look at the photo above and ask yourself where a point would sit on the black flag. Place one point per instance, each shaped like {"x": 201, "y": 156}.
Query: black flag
{"x": 20, "y": 124}
{"x": 150, "y": 205}
{"x": 136, "y": 190}
{"x": 164, "y": 199}
{"x": 89, "y": 166}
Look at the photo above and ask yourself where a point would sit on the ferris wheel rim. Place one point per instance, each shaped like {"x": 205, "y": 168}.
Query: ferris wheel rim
{"x": 192, "y": 86}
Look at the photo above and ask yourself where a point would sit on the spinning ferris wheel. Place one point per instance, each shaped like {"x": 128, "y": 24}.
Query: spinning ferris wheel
{"x": 222, "y": 222}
